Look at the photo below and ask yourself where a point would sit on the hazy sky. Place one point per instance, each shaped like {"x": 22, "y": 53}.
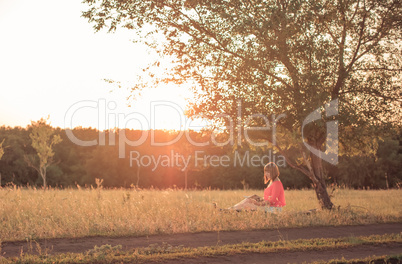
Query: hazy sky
{"x": 52, "y": 63}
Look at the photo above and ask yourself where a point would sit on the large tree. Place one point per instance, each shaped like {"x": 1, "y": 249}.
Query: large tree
{"x": 277, "y": 56}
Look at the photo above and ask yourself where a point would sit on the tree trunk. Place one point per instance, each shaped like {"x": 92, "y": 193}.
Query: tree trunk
{"x": 43, "y": 174}
{"x": 44, "y": 182}
{"x": 316, "y": 174}
{"x": 322, "y": 196}
{"x": 318, "y": 178}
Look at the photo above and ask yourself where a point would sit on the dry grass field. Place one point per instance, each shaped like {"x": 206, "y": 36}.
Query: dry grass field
{"x": 29, "y": 214}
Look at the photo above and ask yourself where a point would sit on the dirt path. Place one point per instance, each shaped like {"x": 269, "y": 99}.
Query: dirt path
{"x": 300, "y": 256}
{"x": 63, "y": 245}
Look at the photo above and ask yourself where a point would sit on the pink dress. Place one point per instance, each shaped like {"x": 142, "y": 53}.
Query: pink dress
{"x": 275, "y": 194}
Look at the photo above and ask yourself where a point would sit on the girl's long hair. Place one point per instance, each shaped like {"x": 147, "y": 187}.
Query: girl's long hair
{"x": 273, "y": 171}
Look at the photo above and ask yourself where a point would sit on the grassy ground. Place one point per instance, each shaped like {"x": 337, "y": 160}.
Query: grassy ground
{"x": 164, "y": 252}
{"x": 32, "y": 214}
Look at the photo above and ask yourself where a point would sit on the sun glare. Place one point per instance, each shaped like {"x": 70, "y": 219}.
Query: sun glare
{"x": 163, "y": 107}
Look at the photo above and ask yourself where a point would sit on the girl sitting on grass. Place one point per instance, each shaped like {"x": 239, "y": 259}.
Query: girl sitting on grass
{"x": 274, "y": 194}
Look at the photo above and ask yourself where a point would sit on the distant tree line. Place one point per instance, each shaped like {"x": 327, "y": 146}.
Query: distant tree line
{"x": 214, "y": 166}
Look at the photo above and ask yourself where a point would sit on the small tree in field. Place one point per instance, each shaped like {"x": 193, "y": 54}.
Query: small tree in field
{"x": 43, "y": 141}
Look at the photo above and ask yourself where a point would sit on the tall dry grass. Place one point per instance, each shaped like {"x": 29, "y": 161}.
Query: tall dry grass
{"x": 32, "y": 214}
